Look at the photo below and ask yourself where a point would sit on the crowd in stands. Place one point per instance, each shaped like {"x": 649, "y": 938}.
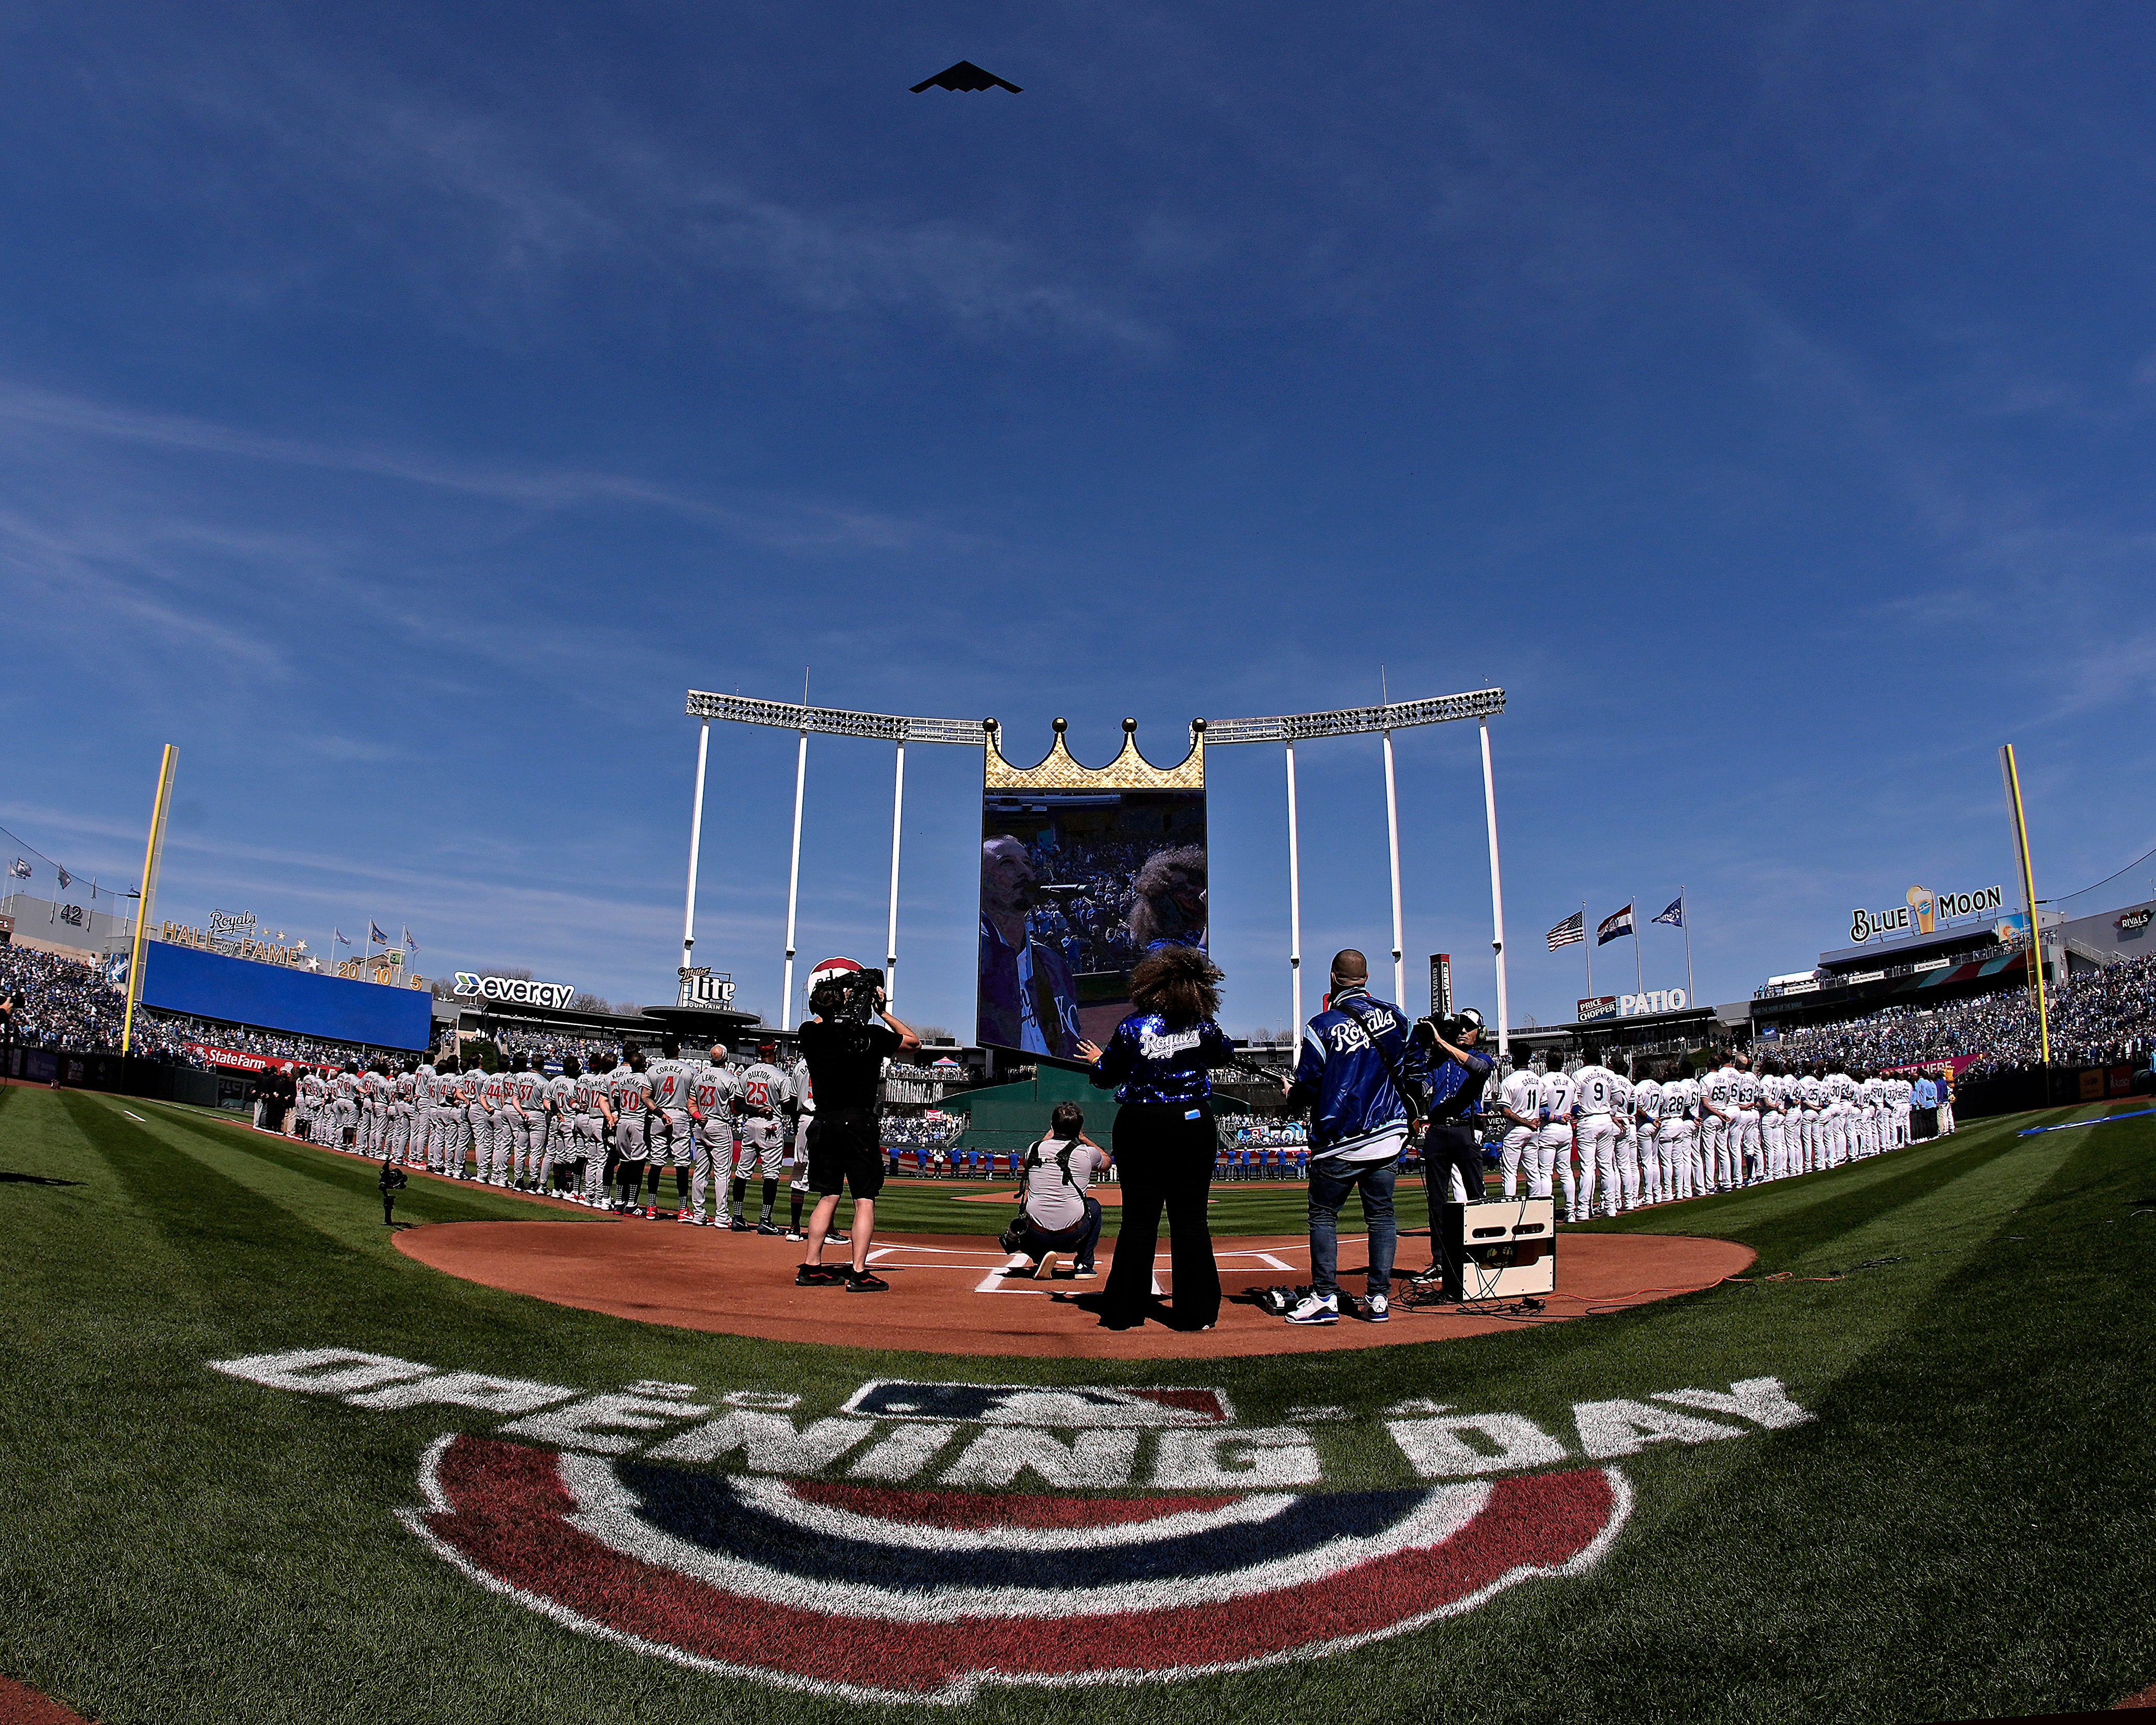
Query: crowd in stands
{"x": 2098, "y": 1018}
{"x": 66, "y": 1004}
{"x": 1089, "y": 926}
{"x": 594, "y": 1053}
{"x": 904, "y": 1133}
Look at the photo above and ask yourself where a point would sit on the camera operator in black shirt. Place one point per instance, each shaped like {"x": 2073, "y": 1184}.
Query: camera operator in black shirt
{"x": 845, "y": 1053}
{"x": 1452, "y": 1145}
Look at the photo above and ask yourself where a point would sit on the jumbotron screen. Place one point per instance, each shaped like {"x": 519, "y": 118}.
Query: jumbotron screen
{"x": 1076, "y": 886}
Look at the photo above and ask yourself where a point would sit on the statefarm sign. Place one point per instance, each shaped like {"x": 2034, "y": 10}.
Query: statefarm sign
{"x": 513, "y": 990}
{"x": 241, "y": 1062}
{"x": 865, "y": 1554}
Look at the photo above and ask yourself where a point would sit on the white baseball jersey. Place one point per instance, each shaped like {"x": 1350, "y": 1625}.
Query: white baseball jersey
{"x": 1518, "y": 1093}
{"x": 1594, "y": 1089}
{"x": 801, "y": 1093}
{"x": 1679, "y": 1101}
{"x": 1744, "y": 1088}
{"x": 1811, "y": 1092}
{"x": 1647, "y": 1100}
{"x": 1556, "y": 1097}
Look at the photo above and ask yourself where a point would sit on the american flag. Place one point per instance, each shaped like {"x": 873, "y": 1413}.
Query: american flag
{"x": 1570, "y": 932}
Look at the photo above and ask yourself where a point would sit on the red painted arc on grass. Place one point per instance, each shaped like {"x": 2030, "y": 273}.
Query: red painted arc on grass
{"x": 748, "y": 1579}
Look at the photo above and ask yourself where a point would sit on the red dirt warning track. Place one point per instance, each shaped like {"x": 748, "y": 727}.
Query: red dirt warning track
{"x": 945, "y": 1296}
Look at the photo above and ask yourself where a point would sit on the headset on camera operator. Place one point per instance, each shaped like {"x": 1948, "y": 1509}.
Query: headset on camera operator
{"x": 845, "y": 1053}
{"x": 1452, "y": 1148}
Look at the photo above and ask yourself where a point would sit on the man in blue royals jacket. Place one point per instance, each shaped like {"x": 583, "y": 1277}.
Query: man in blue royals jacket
{"x": 1361, "y": 1077}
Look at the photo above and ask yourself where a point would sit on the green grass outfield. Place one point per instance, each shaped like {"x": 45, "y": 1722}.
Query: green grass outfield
{"x": 1964, "y": 1528}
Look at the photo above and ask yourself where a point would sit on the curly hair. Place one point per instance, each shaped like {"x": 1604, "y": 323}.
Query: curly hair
{"x": 1180, "y": 984}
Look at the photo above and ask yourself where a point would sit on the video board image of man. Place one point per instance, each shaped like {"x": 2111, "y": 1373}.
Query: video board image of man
{"x": 1075, "y": 888}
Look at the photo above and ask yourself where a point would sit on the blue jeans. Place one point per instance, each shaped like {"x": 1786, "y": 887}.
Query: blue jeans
{"x": 1081, "y": 1239}
{"x": 1330, "y": 1183}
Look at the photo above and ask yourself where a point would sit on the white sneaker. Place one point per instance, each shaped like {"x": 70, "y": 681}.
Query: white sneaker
{"x": 1316, "y": 1309}
{"x": 1378, "y": 1309}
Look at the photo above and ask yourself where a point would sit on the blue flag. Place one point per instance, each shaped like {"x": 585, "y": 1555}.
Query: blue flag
{"x": 374, "y": 933}
{"x": 343, "y": 939}
{"x": 410, "y": 945}
{"x": 1675, "y": 915}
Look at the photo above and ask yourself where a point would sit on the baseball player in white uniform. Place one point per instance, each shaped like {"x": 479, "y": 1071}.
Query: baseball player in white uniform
{"x": 1746, "y": 1162}
{"x": 1555, "y": 1100}
{"x": 1626, "y": 1196}
{"x": 1646, "y": 1120}
{"x": 1594, "y": 1137}
{"x": 1718, "y": 1112}
{"x": 1902, "y": 1090}
{"x": 1521, "y": 1114}
{"x": 1773, "y": 1108}
{"x": 1677, "y": 1132}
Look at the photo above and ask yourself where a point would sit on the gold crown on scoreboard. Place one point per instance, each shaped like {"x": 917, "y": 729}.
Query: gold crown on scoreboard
{"x": 1060, "y": 770}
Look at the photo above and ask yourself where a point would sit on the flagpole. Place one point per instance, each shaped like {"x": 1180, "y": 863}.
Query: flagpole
{"x": 1691, "y": 990}
{"x": 1587, "y": 949}
{"x": 1639, "y": 968}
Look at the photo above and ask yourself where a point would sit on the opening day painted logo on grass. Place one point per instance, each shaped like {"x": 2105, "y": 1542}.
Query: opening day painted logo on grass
{"x": 879, "y": 1553}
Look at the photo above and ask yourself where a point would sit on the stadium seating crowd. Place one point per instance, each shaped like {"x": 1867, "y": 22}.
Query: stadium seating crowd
{"x": 2101, "y": 1017}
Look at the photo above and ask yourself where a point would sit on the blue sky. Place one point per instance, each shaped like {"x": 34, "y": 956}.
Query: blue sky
{"x": 400, "y": 409}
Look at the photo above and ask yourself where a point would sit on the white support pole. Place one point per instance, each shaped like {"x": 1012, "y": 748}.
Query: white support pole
{"x": 1393, "y": 838}
{"x": 793, "y": 884}
{"x": 891, "y": 942}
{"x": 1496, "y": 893}
{"x": 1294, "y": 902}
{"x": 695, "y": 843}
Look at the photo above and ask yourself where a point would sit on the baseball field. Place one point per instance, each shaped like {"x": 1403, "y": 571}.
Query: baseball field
{"x": 265, "y": 1465}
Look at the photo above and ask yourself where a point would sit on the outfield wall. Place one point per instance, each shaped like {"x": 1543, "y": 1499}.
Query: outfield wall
{"x": 270, "y": 997}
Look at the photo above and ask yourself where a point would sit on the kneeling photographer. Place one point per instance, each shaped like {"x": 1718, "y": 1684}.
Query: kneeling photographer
{"x": 845, "y": 1052}
{"x": 1058, "y": 1213}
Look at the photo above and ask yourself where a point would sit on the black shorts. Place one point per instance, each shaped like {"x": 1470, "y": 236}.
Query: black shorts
{"x": 843, "y": 1152}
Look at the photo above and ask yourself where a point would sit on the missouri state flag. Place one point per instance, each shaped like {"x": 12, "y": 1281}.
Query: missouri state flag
{"x": 1614, "y": 926}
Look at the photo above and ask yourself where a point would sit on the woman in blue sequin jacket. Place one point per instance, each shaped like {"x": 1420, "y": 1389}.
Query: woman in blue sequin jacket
{"x": 1157, "y": 1062}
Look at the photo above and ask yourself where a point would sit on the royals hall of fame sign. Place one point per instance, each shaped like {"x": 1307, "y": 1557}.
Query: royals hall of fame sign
{"x": 925, "y": 1539}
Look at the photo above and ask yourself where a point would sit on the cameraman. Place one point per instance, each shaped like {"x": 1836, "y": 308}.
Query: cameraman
{"x": 844, "y": 1055}
{"x": 1452, "y": 1146}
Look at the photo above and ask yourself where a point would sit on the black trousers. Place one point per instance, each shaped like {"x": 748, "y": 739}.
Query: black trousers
{"x": 1166, "y": 1162}
{"x": 1445, "y": 1148}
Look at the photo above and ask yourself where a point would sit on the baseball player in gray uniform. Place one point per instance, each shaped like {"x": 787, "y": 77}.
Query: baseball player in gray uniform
{"x": 673, "y": 1125}
{"x": 712, "y": 1092}
{"x": 765, "y": 1130}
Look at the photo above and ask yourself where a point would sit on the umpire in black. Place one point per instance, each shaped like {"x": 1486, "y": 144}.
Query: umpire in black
{"x": 1452, "y": 1145}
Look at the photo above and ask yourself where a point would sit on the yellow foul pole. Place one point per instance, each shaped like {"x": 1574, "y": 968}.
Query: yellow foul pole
{"x": 2013, "y": 776}
{"x": 159, "y": 810}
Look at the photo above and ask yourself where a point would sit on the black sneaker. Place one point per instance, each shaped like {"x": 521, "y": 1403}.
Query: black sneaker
{"x": 771, "y": 1228}
{"x": 838, "y": 1236}
{"x": 815, "y": 1275}
{"x": 866, "y": 1282}
{"x": 741, "y": 1224}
